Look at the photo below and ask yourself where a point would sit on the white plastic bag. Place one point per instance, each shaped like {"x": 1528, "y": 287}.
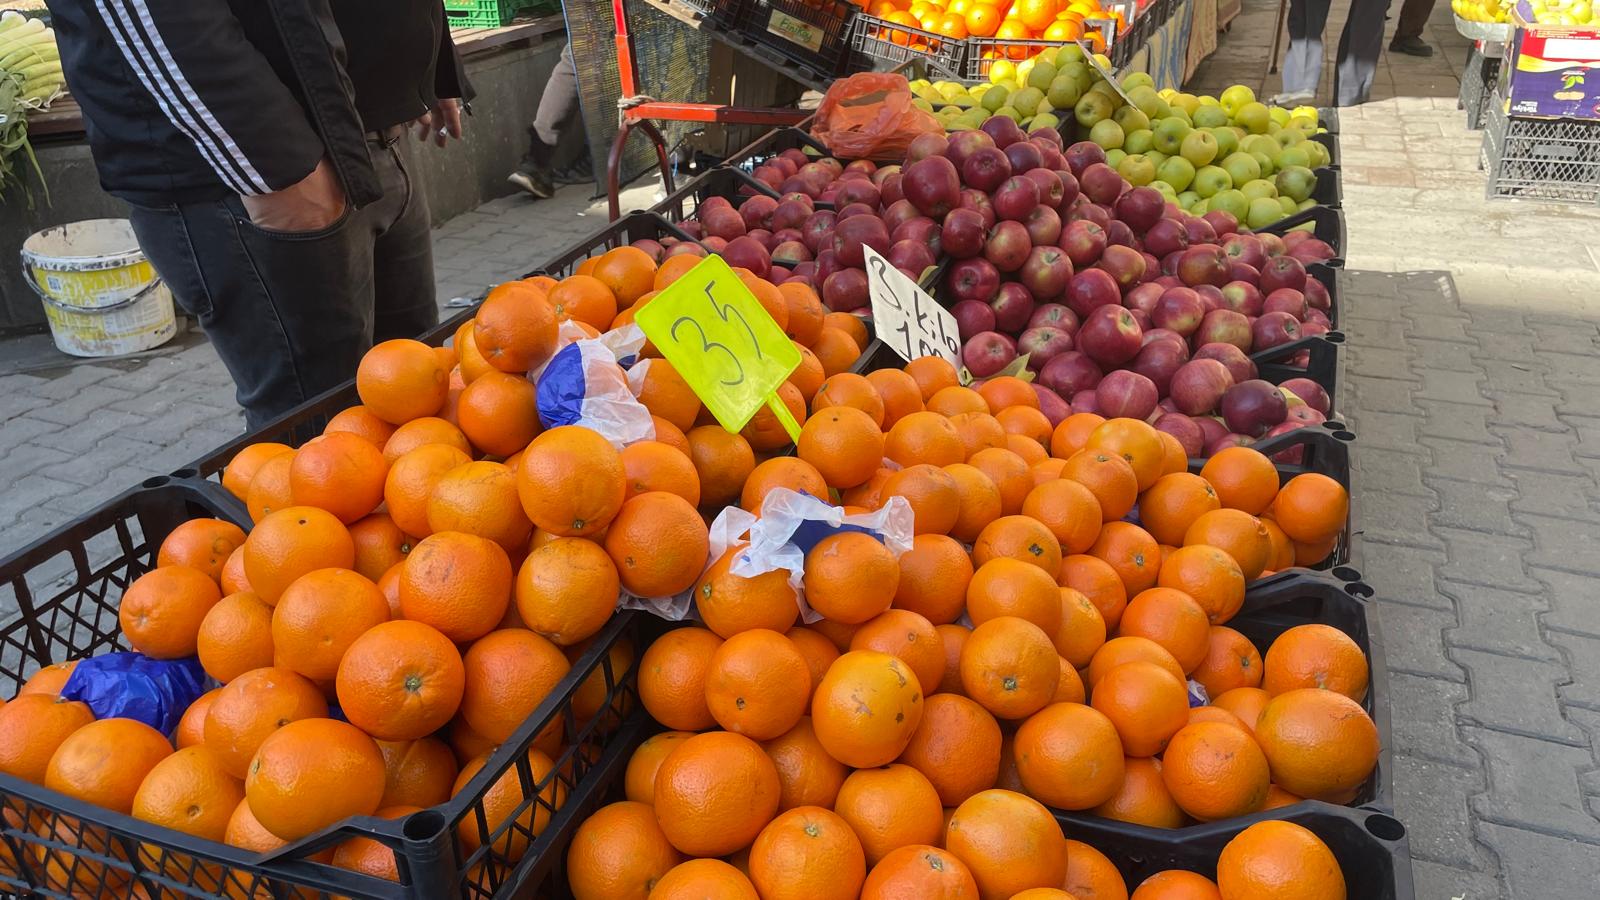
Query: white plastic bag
{"x": 584, "y": 383}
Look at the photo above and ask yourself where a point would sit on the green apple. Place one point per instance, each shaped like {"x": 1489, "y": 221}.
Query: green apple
{"x": 1115, "y": 157}
{"x": 1199, "y": 147}
{"x": 1295, "y": 181}
{"x": 1169, "y": 134}
{"x": 1200, "y": 207}
{"x": 1227, "y": 141}
{"x": 1046, "y": 120}
{"x": 1150, "y": 103}
{"x": 1263, "y": 212}
{"x": 1176, "y": 171}
{"x": 1209, "y": 180}
{"x": 1137, "y": 79}
{"x": 1290, "y": 207}
{"x": 1138, "y": 169}
{"x": 1231, "y": 201}
{"x": 1063, "y": 92}
{"x": 1010, "y": 112}
{"x": 922, "y": 104}
{"x": 1189, "y": 103}
{"x": 1140, "y": 141}
{"x": 995, "y": 97}
{"x": 1253, "y": 117}
{"x": 1067, "y": 53}
{"x": 1187, "y": 199}
{"x": 1292, "y": 157}
{"x": 1043, "y": 73}
{"x": 1235, "y": 98}
{"x": 1280, "y": 116}
{"x": 1048, "y": 55}
{"x": 1266, "y": 161}
{"x": 1131, "y": 118}
{"x": 1317, "y": 153}
{"x": 1107, "y": 133}
{"x": 1027, "y": 100}
{"x": 1259, "y": 188}
{"x": 1091, "y": 108}
{"x": 1241, "y": 167}
{"x": 1165, "y": 190}
{"x": 1209, "y": 116}
{"x": 1289, "y": 137}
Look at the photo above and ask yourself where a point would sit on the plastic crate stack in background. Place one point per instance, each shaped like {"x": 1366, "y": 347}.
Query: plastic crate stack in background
{"x": 494, "y": 13}
{"x": 879, "y": 44}
{"x": 1477, "y": 85}
{"x": 811, "y": 34}
{"x": 1540, "y": 159}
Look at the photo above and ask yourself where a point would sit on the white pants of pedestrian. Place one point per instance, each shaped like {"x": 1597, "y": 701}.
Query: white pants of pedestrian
{"x": 1360, "y": 45}
{"x": 1302, "y": 62}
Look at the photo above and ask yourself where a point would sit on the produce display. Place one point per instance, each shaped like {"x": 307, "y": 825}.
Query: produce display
{"x": 1049, "y": 20}
{"x": 1570, "y": 13}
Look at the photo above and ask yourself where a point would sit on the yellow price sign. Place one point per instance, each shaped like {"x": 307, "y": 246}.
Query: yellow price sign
{"x": 724, "y": 344}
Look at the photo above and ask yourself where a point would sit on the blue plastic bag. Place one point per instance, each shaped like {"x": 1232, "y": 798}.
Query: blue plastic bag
{"x": 134, "y": 686}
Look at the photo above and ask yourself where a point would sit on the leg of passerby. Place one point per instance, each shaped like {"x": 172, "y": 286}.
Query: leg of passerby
{"x": 1408, "y": 31}
{"x": 405, "y": 302}
{"x": 1360, "y": 45}
{"x": 1302, "y": 62}
{"x": 290, "y": 314}
{"x": 557, "y": 106}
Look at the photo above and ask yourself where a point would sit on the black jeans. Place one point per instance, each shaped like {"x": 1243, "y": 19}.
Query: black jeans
{"x": 291, "y": 313}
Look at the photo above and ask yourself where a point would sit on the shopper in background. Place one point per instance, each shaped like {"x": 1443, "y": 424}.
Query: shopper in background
{"x": 1408, "y": 31}
{"x": 257, "y": 143}
{"x": 1360, "y": 44}
{"x": 558, "y": 107}
{"x": 1302, "y": 61}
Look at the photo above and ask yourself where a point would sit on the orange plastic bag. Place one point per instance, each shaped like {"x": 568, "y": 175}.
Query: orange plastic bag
{"x": 870, "y": 116}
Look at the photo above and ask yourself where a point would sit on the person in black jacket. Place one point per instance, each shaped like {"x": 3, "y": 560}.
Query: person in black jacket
{"x": 256, "y": 142}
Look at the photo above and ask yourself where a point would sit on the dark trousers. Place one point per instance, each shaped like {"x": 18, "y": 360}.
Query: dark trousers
{"x": 1413, "y": 18}
{"x": 291, "y": 313}
{"x": 557, "y": 106}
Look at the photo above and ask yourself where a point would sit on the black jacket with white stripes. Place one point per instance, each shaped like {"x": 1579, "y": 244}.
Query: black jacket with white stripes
{"x": 193, "y": 99}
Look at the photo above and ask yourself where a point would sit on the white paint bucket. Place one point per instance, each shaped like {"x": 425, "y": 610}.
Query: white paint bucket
{"x": 101, "y": 295}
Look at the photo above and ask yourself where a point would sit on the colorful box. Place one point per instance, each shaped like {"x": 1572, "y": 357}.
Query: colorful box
{"x": 1551, "y": 70}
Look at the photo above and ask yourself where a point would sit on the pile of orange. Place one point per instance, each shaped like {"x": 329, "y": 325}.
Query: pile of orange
{"x": 1050, "y": 20}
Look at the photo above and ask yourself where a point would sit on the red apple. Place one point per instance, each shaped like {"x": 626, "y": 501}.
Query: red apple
{"x": 972, "y": 317}
{"x": 1253, "y": 407}
{"x": 1013, "y": 306}
{"x": 1007, "y": 246}
{"x": 1070, "y": 373}
{"x": 987, "y": 353}
{"x": 1043, "y": 345}
{"x": 986, "y": 169}
{"x": 1046, "y": 273}
{"x": 1084, "y": 242}
{"x": 846, "y": 290}
{"x": 964, "y": 233}
{"x": 972, "y": 279}
{"x": 1186, "y": 430}
{"x": 1110, "y": 336}
{"x": 1126, "y": 394}
{"x": 1226, "y": 327}
{"x": 1198, "y": 385}
{"x": 932, "y": 185}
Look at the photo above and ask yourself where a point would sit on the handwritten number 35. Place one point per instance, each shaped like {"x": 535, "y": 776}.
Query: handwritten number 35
{"x": 726, "y": 313}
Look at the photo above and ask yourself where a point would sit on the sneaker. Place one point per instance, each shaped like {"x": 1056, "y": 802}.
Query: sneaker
{"x": 1292, "y": 98}
{"x": 1411, "y": 46}
{"x": 534, "y": 181}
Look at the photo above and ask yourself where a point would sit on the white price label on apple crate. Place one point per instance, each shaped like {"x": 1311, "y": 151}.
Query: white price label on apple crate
{"x": 906, "y": 318}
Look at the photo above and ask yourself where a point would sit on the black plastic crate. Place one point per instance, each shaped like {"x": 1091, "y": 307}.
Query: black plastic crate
{"x": 882, "y": 45}
{"x": 812, "y": 34}
{"x": 635, "y": 226}
{"x": 771, "y": 144}
{"x": 1273, "y": 605}
{"x": 1329, "y": 140}
{"x": 1330, "y": 186}
{"x": 1327, "y": 225}
{"x": 1324, "y": 364}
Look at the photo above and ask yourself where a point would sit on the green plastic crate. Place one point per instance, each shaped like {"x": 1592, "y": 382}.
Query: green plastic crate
{"x": 493, "y": 13}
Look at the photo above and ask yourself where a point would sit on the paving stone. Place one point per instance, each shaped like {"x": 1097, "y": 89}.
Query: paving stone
{"x": 1404, "y": 574}
{"x": 1457, "y": 421}
{"x": 1573, "y": 367}
{"x": 1452, "y": 387}
{"x": 1433, "y": 880}
{"x": 69, "y": 382}
{"x": 1540, "y": 866}
{"x": 1563, "y": 544}
{"x": 1379, "y": 362}
{"x": 1588, "y": 431}
{"x": 1538, "y": 450}
{"x": 1414, "y": 641}
{"x": 1451, "y": 356}
{"x": 1464, "y": 461}
{"x": 1519, "y": 348}
{"x": 1564, "y": 496}
{"x": 1473, "y": 507}
{"x": 82, "y": 405}
{"x": 1395, "y": 521}
{"x": 1574, "y": 602}
{"x": 1497, "y": 621}
{"x": 1385, "y": 471}
{"x": 19, "y": 431}
{"x": 87, "y": 433}
{"x": 1435, "y": 793}
{"x": 1525, "y": 410}
{"x": 1583, "y": 658}
{"x": 20, "y": 464}
{"x": 1384, "y": 395}
{"x": 1423, "y": 718}
{"x": 1515, "y": 695}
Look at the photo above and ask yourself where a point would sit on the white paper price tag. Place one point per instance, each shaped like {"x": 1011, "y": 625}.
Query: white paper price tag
{"x": 906, "y": 318}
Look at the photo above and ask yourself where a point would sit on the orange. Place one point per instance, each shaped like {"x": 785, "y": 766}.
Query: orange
{"x": 1007, "y": 391}
{"x": 341, "y": 473}
{"x": 729, "y": 603}
{"x": 1246, "y": 704}
{"x": 1215, "y": 771}
{"x": 421, "y": 432}
{"x": 908, "y": 637}
{"x": 1243, "y": 478}
{"x": 410, "y": 483}
{"x": 723, "y": 460}
{"x": 507, "y": 674}
{"x": 585, "y": 299}
{"x": 629, "y": 272}
{"x": 768, "y": 295}
{"x": 472, "y": 363}
{"x": 458, "y": 583}
{"x": 1321, "y": 745}
{"x": 715, "y": 793}
{"x": 32, "y": 726}
{"x": 954, "y": 638}
{"x": 1072, "y": 434}
{"x": 1145, "y": 703}
{"x": 235, "y": 636}
{"x": 1096, "y": 579}
{"x": 1009, "y": 841}
{"x": 1126, "y": 649}
{"x": 508, "y": 809}
{"x": 1036, "y": 14}
{"x": 807, "y": 378}
{"x": 401, "y": 380}
{"x": 757, "y": 684}
{"x": 1238, "y": 534}
{"x": 1172, "y": 619}
{"x": 1316, "y": 656}
{"x": 233, "y": 579}
{"x": 1131, "y": 552}
{"x": 956, "y": 747}
{"x": 657, "y": 384}
{"x": 671, "y": 269}
{"x": 1172, "y": 504}
{"x": 1283, "y": 549}
{"x": 1082, "y": 631}
{"x": 1176, "y": 459}
{"x": 368, "y": 856}
{"x": 920, "y": 873}
{"x": 1009, "y": 472}
{"x": 239, "y": 471}
{"x": 934, "y": 495}
{"x": 932, "y": 374}
{"x": 515, "y": 328}
{"x": 818, "y": 650}
{"x": 704, "y": 879}
{"x": 640, "y": 778}
{"x": 978, "y": 430}
{"x": 400, "y": 681}
{"x": 253, "y": 706}
{"x": 836, "y": 349}
{"x": 672, "y": 678}
{"x": 868, "y": 496}
{"x": 1070, "y": 510}
{"x": 269, "y": 487}
{"x": 499, "y": 413}
{"x": 1091, "y": 876}
{"x": 900, "y": 394}
{"x": 1135, "y": 441}
{"x": 851, "y": 390}
{"x": 1009, "y": 587}
{"x": 808, "y": 776}
{"x": 566, "y": 590}
{"x": 417, "y": 773}
{"x": 655, "y": 466}
{"x": 1277, "y": 798}
{"x": 765, "y": 432}
{"x": 1313, "y": 554}
{"x": 954, "y": 400}
{"x": 192, "y": 726}
{"x": 190, "y": 792}
{"x": 1069, "y": 757}
{"x": 49, "y": 679}
{"x": 1109, "y": 477}
{"x": 658, "y": 543}
{"x": 571, "y": 481}
{"x": 850, "y": 577}
{"x": 890, "y": 807}
{"x": 924, "y": 437}
{"x": 202, "y": 544}
{"x": 1019, "y": 538}
{"x": 1142, "y": 798}
{"x": 161, "y": 611}
{"x": 1010, "y": 667}
{"x": 1278, "y": 859}
{"x": 866, "y": 708}
{"x": 806, "y": 312}
{"x": 319, "y": 616}
{"x": 979, "y": 502}
{"x": 1029, "y": 423}
{"x": 291, "y": 542}
{"x": 1213, "y": 578}
{"x": 934, "y": 575}
{"x": 1069, "y": 687}
{"x": 1311, "y": 508}
{"x": 103, "y": 762}
{"x": 380, "y": 545}
{"x": 618, "y": 853}
{"x": 1232, "y": 661}
{"x": 785, "y": 472}
{"x": 843, "y": 443}
{"x": 1176, "y": 884}
{"x": 1031, "y": 450}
